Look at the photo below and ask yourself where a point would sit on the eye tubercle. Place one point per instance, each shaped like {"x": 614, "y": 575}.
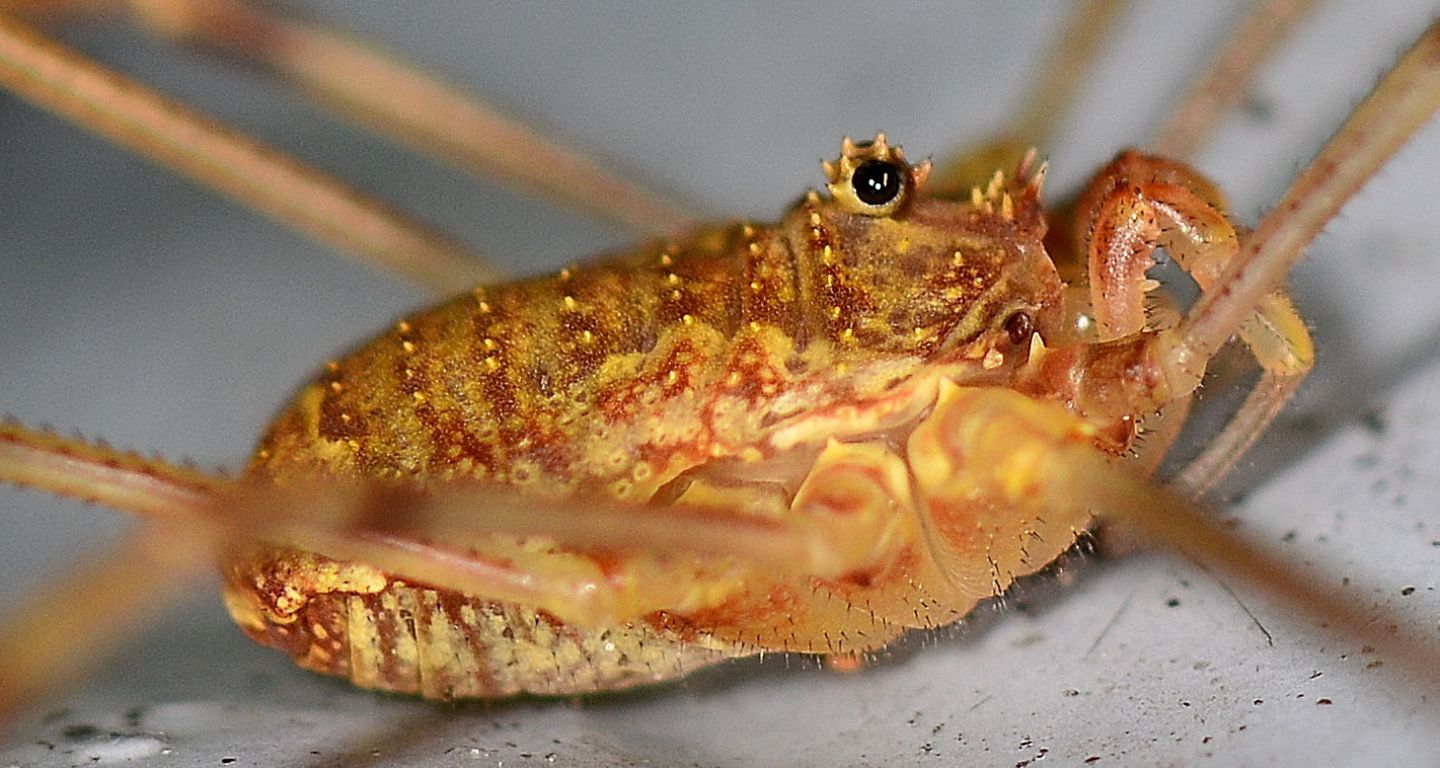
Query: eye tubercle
{"x": 873, "y": 178}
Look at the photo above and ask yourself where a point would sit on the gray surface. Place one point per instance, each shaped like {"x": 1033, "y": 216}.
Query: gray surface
{"x": 142, "y": 310}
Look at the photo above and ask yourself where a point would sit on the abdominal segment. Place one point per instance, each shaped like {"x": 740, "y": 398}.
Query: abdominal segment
{"x": 440, "y": 645}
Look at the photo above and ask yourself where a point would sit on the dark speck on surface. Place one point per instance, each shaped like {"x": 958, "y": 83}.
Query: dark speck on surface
{"x": 1373, "y": 420}
{"x": 80, "y": 732}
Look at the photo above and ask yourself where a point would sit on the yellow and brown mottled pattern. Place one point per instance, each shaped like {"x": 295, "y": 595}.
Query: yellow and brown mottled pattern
{"x": 696, "y": 360}
{"x": 392, "y": 636}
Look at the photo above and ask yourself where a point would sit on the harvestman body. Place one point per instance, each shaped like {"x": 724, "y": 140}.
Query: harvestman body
{"x": 804, "y": 398}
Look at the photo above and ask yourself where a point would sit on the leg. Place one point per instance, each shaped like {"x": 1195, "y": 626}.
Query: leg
{"x": 80, "y": 618}
{"x": 392, "y": 97}
{"x": 62, "y": 11}
{"x": 397, "y": 100}
{"x": 1033, "y": 465}
{"x": 1260, "y": 408}
{"x": 1138, "y": 203}
{"x": 124, "y": 111}
{"x": 98, "y": 474}
{"x": 648, "y": 559}
{"x": 1193, "y": 120}
{"x": 378, "y": 523}
{"x": 1402, "y": 102}
{"x": 1189, "y": 124}
{"x": 1145, "y": 371}
{"x": 660, "y": 557}
{"x": 1407, "y": 96}
{"x": 1051, "y": 94}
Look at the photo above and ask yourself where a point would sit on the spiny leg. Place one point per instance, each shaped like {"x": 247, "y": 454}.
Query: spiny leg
{"x": 660, "y": 549}
{"x": 74, "y": 621}
{"x": 351, "y": 518}
{"x": 660, "y": 558}
{"x": 379, "y": 523}
{"x": 1285, "y": 352}
{"x": 1289, "y": 354}
{"x": 124, "y": 111}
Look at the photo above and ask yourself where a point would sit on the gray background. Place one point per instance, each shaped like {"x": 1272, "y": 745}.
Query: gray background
{"x": 138, "y": 308}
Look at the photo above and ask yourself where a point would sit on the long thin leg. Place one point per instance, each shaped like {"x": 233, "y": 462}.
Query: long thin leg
{"x": 1261, "y": 406}
{"x": 1067, "y": 68}
{"x": 1033, "y": 465}
{"x": 1173, "y": 361}
{"x": 62, "y": 11}
{"x": 366, "y": 84}
{"x": 1013, "y": 436}
{"x": 79, "y": 619}
{"x": 124, "y": 111}
{"x": 379, "y": 524}
{"x": 326, "y": 514}
{"x": 386, "y": 525}
{"x": 1189, "y": 124}
{"x": 1192, "y": 121}
{"x": 99, "y": 474}
{"x": 398, "y": 100}
{"x": 1052, "y": 92}
{"x": 659, "y": 558}
{"x": 1403, "y": 101}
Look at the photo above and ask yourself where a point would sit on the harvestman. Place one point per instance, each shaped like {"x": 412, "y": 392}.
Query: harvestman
{"x": 1406, "y": 99}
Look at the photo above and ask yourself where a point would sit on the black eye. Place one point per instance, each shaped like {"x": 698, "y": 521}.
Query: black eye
{"x": 1019, "y": 326}
{"x": 877, "y": 182}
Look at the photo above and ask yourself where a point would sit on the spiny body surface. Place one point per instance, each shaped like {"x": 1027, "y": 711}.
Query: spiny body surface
{"x": 803, "y": 368}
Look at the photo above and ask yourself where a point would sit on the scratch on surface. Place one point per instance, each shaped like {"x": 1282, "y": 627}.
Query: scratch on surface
{"x": 1269, "y": 638}
{"x": 1109, "y": 625}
